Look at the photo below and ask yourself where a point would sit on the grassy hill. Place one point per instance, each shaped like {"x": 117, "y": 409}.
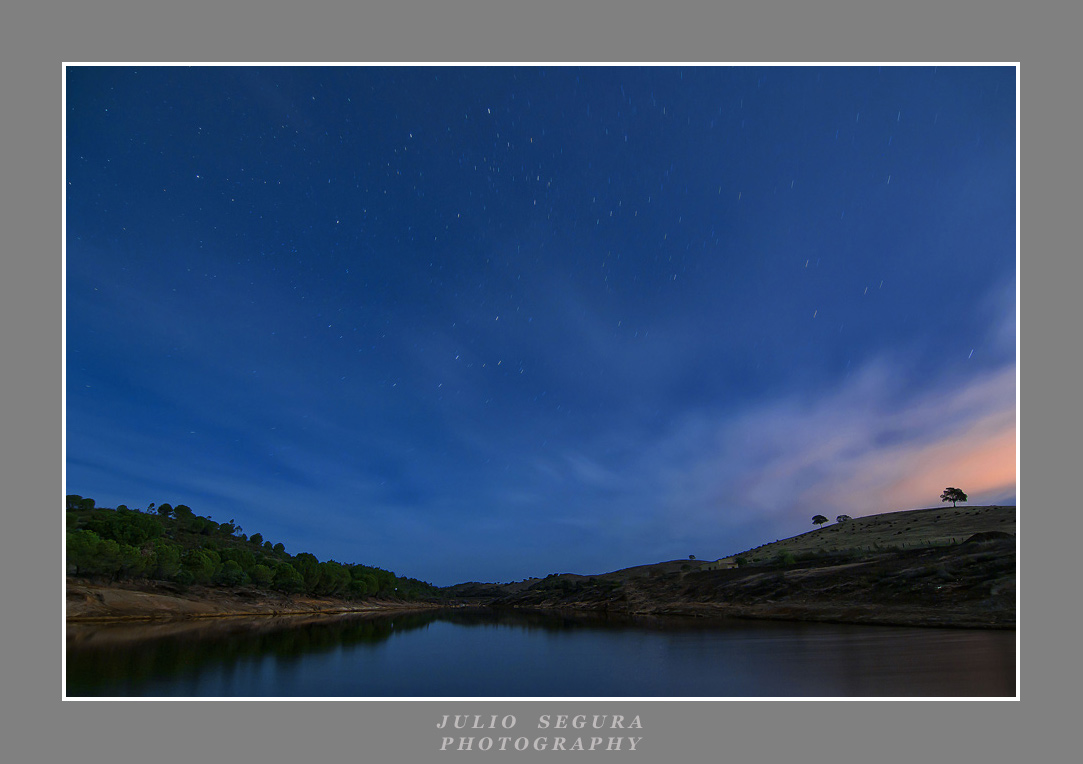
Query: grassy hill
{"x": 940, "y": 566}
{"x": 911, "y": 529}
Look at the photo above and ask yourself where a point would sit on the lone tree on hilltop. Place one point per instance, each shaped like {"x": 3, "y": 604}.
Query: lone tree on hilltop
{"x": 819, "y": 519}
{"x": 843, "y": 518}
{"x": 953, "y": 495}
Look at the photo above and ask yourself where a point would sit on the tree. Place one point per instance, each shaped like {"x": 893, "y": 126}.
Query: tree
{"x": 132, "y": 563}
{"x": 333, "y": 578}
{"x": 843, "y": 519}
{"x": 167, "y": 560}
{"x": 109, "y": 558}
{"x": 819, "y": 519}
{"x": 309, "y": 567}
{"x": 287, "y": 579}
{"x": 261, "y": 575}
{"x": 200, "y": 565}
{"x": 83, "y": 548}
{"x": 230, "y": 574}
{"x": 953, "y": 495}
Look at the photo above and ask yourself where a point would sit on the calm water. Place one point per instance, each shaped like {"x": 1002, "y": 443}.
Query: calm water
{"x": 460, "y": 653}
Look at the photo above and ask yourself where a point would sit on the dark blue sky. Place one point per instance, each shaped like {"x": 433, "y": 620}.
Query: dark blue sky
{"x": 491, "y": 323}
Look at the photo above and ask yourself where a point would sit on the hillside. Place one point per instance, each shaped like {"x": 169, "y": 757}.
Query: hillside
{"x": 939, "y": 566}
{"x": 169, "y": 562}
{"x": 910, "y": 529}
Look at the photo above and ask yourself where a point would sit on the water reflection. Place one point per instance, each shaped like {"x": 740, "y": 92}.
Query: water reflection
{"x": 117, "y": 658}
{"x": 472, "y": 653}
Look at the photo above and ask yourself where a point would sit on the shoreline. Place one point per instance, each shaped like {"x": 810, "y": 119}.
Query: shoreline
{"x": 90, "y": 603}
{"x": 126, "y": 602}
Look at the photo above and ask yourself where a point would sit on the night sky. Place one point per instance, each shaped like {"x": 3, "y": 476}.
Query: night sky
{"x": 489, "y": 323}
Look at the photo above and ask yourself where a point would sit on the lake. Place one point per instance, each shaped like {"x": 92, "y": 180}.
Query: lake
{"x": 481, "y": 653}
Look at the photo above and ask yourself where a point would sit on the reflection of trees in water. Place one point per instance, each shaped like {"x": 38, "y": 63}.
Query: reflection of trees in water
{"x": 245, "y": 654}
{"x": 119, "y": 658}
{"x": 106, "y": 656}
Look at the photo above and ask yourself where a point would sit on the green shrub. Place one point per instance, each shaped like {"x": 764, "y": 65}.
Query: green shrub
{"x": 167, "y": 561}
{"x": 83, "y": 548}
{"x": 230, "y": 574}
{"x": 261, "y": 575}
{"x": 200, "y": 564}
{"x": 287, "y": 579}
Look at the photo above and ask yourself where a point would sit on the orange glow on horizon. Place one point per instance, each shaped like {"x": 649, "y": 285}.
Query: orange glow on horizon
{"x": 979, "y": 463}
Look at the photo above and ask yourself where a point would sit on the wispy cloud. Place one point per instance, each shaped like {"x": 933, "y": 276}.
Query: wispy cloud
{"x": 865, "y": 447}
{"x": 718, "y": 481}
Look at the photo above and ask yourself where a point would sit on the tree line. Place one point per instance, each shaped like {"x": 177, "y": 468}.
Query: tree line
{"x": 167, "y": 543}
